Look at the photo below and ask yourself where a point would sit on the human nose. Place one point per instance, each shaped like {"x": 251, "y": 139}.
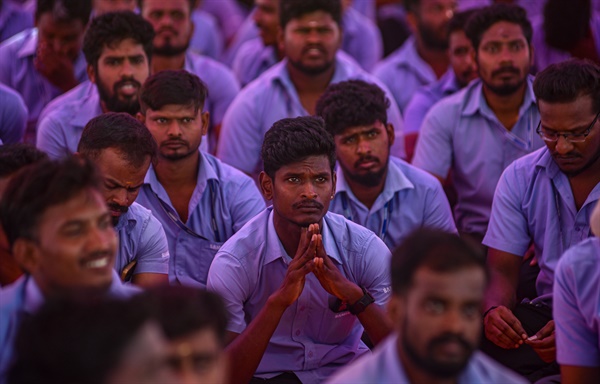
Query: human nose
{"x": 174, "y": 130}
{"x": 363, "y": 147}
{"x": 121, "y": 196}
{"x": 126, "y": 69}
{"x": 454, "y": 322}
{"x": 309, "y": 191}
{"x": 563, "y": 145}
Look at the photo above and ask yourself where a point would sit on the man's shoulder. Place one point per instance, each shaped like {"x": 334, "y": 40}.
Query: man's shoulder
{"x": 527, "y": 166}
{"x": 396, "y": 59}
{"x": 420, "y": 178}
{"x": 10, "y": 299}
{"x": 482, "y": 369}
{"x": 347, "y": 232}
{"x": 228, "y": 175}
{"x": 587, "y": 252}
{"x": 14, "y": 44}
{"x": 62, "y": 110}
{"x": 249, "y": 238}
{"x": 206, "y": 67}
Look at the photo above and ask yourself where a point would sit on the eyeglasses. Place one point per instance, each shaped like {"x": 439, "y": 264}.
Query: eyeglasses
{"x": 570, "y": 137}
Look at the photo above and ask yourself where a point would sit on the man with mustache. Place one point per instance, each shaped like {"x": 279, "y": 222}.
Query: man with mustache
{"x": 200, "y": 201}
{"x": 374, "y": 189}
{"x": 438, "y": 285}
{"x": 545, "y": 198}
{"x": 118, "y": 49}
{"x": 477, "y": 132}
{"x": 122, "y": 148}
{"x": 172, "y": 22}
{"x": 60, "y": 232}
{"x": 310, "y": 36}
{"x": 301, "y": 284}
{"x": 422, "y": 58}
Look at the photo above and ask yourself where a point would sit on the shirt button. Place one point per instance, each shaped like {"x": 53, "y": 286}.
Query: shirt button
{"x": 298, "y": 332}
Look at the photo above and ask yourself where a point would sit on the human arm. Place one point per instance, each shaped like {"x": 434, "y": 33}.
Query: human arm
{"x": 13, "y": 116}
{"x": 51, "y": 137}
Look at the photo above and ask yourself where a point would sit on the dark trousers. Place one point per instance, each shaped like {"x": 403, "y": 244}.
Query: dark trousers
{"x": 524, "y": 360}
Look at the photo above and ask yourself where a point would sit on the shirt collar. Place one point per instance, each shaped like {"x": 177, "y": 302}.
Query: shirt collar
{"x": 395, "y": 181}
{"x": 274, "y": 248}
{"x": 89, "y": 108}
{"x": 412, "y": 60}
{"x": 29, "y": 47}
{"x": 34, "y": 298}
{"x": 449, "y": 82}
{"x": 545, "y": 161}
{"x": 475, "y": 100}
{"x": 127, "y": 222}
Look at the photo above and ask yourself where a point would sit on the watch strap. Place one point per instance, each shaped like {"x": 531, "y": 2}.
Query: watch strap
{"x": 362, "y": 303}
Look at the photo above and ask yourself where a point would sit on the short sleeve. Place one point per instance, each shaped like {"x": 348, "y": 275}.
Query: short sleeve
{"x": 433, "y": 152}
{"x": 153, "y": 252}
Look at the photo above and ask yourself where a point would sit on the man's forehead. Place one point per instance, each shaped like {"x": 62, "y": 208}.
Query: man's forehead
{"x": 113, "y": 47}
{"x": 353, "y": 130}
{"x": 313, "y": 19}
{"x": 174, "y": 110}
{"x": 313, "y": 163}
{"x": 503, "y": 30}
{"x": 466, "y": 283}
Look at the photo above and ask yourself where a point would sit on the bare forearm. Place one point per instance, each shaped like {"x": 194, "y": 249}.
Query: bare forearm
{"x": 504, "y": 272}
{"x": 375, "y": 322}
{"x": 247, "y": 350}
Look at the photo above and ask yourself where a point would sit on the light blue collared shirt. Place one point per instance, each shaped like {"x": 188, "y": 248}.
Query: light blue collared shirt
{"x": 141, "y": 238}
{"x": 17, "y": 70}
{"x": 60, "y": 128}
{"x": 273, "y": 97}
{"x": 534, "y": 201}
{"x": 411, "y": 199}
{"x": 13, "y": 116}
{"x": 25, "y": 297}
{"x": 13, "y": 20}
{"x": 222, "y": 193}
{"x": 207, "y": 39}
{"x": 404, "y": 71}
{"x": 252, "y": 59}
{"x": 576, "y": 308}
{"x": 426, "y": 97}
{"x": 462, "y": 134}
{"x": 361, "y": 39}
{"x": 384, "y": 367}
{"x": 311, "y": 340}
{"x": 222, "y": 85}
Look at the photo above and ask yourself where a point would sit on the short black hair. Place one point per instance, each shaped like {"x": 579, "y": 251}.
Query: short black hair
{"x": 182, "y": 310}
{"x": 40, "y": 186}
{"x": 87, "y": 341}
{"x": 293, "y": 9}
{"x": 110, "y": 29}
{"x": 434, "y": 249}
{"x": 15, "y": 156}
{"x": 566, "y": 22}
{"x": 173, "y": 87}
{"x": 352, "y": 103}
{"x": 291, "y": 140}
{"x": 459, "y": 20}
{"x": 192, "y": 3}
{"x": 122, "y": 132}
{"x": 65, "y": 10}
{"x": 564, "y": 82}
{"x": 485, "y": 17}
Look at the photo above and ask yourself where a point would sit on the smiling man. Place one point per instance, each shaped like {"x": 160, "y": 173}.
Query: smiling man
{"x": 376, "y": 190}
{"x": 60, "y": 232}
{"x": 545, "y": 198}
{"x": 438, "y": 285}
{"x": 123, "y": 148}
{"x": 118, "y": 48}
{"x": 301, "y": 284}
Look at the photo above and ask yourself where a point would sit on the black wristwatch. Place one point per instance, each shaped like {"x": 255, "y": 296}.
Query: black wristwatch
{"x": 362, "y": 303}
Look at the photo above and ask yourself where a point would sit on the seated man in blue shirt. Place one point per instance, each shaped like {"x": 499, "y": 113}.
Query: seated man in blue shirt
{"x": 122, "y": 148}
{"x": 545, "y": 198}
{"x": 60, "y": 232}
{"x": 297, "y": 280}
{"x": 200, "y": 201}
{"x": 378, "y": 191}
{"x": 438, "y": 285}
{"x": 118, "y": 49}
{"x": 575, "y": 309}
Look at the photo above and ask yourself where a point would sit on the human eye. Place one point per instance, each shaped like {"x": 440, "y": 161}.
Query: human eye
{"x": 303, "y": 31}
{"x": 491, "y": 48}
{"x": 434, "y": 306}
{"x": 137, "y": 59}
{"x": 112, "y": 61}
{"x": 161, "y": 120}
{"x": 516, "y": 46}
{"x": 293, "y": 179}
{"x": 372, "y": 134}
{"x": 471, "y": 311}
{"x": 110, "y": 186}
{"x": 321, "y": 179}
{"x": 73, "y": 229}
{"x": 349, "y": 140}
{"x": 187, "y": 120}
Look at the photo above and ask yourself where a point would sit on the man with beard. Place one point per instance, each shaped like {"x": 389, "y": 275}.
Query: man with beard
{"x": 200, "y": 201}
{"x": 122, "y": 149}
{"x": 172, "y": 22}
{"x": 374, "y": 189}
{"x": 545, "y": 198}
{"x": 300, "y": 283}
{"x": 310, "y": 35}
{"x": 438, "y": 285}
{"x": 462, "y": 70}
{"x": 477, "y": 132}
{"x": 423, "y": 58}
{"x": 118, "y": 49}
{"x": 60, "y": 232}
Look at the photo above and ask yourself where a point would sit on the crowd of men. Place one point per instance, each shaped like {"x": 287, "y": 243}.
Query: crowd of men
{"x": 250, "y": 192}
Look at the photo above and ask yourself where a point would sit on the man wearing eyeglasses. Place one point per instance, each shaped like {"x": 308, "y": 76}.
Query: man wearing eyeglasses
{"x": 546, "y": 198}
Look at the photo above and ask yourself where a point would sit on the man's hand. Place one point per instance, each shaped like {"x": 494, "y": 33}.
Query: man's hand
{"x": 331, "y": 278}
{"x": 503, "y": 328}
{"x": 55, "y": 67}
{"x": 544, "y": 342}
{"x": 301, "y": 265}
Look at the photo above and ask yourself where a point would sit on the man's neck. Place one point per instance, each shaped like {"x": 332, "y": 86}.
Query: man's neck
{"x": 306, "y": 83}
{"x": 416, "y": 375}
{"x": 366, "y": 194}
{"x": 288, "y": 233}
{"x": 160, "y": 63}
{"x": 437, "y": 59}
{"x": 584, "y": 183}
{"x": 177, "y": 173}
{"x": 506, "y": 107}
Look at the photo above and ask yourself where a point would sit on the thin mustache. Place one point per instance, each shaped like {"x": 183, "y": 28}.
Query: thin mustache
{"x": 505, "y": 69}
{"x": 308, "y": 204}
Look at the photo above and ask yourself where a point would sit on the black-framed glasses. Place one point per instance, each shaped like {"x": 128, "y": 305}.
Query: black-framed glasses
{"x": 570, "y": 137}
